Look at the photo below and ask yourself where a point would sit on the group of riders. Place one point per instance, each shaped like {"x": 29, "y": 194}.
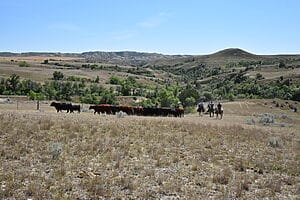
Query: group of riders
{"x": 210, "y": 109}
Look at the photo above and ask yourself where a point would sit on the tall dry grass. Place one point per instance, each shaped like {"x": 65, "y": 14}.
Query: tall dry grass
{"x": 82, "y": 156}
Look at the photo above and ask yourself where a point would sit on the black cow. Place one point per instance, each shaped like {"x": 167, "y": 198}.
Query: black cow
{"x": 150, "y": 111}
{"x": 62, "y": 106}
{"x": 165, "y": 111}
{"x": 138, "y": 110}
{"x": 75, "y": 108}
{"x": 114, "y": 109}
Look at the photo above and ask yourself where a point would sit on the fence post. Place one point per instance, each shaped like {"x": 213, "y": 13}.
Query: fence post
{"x": 38, "y": 105}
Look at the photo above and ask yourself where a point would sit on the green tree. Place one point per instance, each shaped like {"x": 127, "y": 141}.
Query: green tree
{"x": 296, "y": 95}
{"x": 281, "y": 64}
{"x": 115, "y": 80}
{"x": 128, "y": 86}
{"x": 190, "y": 101}
{"x": 57, "y": 75}
{"x": 207, "y": 96}
{"x": 166, "y": 98}
{"x": 66, "y": 91}
{"x": 49, "y": 90}
{"x": 36, "y": 95}
{"x": 259, "y": 76}
{"x": 2, "y": 86}
{"x": 97, "y": 79}
{"x": 188, "y": 94}
{"x": 89, "y": 98}
{"x": 28, "y": 85}
{"x": 107, "y": 96}
{"x": 12, "y": 83}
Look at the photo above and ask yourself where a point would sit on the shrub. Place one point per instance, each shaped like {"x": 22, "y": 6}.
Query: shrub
{"x": 55, "y": 149}
{"x": 275, "y": 142}
{"x": 267, "y": 119}
{"x": 24, "y": 64}
{"x": 115, "y": 80}
{"x": 250, "y": 122}
{"x": 58, "y": 75}
{"x": 259, "y": 76}
{"x": 222, "y": 176}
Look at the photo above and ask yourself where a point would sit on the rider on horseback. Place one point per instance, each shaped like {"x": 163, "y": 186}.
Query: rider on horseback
{"x": 211, "y": 108}
{"x": 219, "y": 106}
{"x": 201, "y": 107}
{"x": 219, "y": 110}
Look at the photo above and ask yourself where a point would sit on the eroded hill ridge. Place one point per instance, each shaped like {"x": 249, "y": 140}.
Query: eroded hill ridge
{"x": 143, "y": 58}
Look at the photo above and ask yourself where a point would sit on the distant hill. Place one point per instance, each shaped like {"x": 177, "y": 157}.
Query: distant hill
{"x": 127, "y": 57}
{"x": 221, "y": 58}
{"x": 145, "y": 59}
{"x": 234, "y": 52}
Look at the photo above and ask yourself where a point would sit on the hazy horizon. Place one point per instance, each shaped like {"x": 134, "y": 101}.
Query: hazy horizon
{"x": 168, "y": 27}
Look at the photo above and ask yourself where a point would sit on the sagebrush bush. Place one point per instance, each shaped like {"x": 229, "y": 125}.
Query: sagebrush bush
{"x": 267, "y": 119}
{"x": 275, "y": 142}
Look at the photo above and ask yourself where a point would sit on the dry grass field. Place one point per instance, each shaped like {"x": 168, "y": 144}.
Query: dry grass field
{"x": 39, "y": 58}
{"x": 42, "y": 73}
{"x": 49, "y": 155}
{"x": 275, "y": 74}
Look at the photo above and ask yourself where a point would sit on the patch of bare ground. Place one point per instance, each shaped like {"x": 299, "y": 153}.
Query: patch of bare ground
{"x": 47, "y": 155}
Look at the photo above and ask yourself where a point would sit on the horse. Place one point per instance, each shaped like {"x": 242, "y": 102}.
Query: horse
{"x": 201, "y": 110}
{"x": 219, "y": 112}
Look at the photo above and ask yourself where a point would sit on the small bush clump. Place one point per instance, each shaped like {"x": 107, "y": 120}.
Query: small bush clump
{"x": 267, "y": 119}
{"x": 275, "y": 142}
{"x": 55, "y": 149}
{"x": 222, "y": 177}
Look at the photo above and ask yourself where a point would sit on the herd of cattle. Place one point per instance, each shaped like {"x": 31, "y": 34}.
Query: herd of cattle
{"x": 129, "y": 110}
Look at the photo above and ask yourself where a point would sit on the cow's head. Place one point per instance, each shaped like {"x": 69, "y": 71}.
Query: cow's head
{"x": 91, "y": 107}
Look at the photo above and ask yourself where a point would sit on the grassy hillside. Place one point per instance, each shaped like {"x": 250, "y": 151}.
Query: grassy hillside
{"x": 227, "y": 74}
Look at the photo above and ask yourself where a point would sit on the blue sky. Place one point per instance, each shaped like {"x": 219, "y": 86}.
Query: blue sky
{"x": 162, "y": 26}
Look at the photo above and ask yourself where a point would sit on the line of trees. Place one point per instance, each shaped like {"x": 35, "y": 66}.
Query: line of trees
{"x": 94, "y": 93}
{"x": 60, "y": 88}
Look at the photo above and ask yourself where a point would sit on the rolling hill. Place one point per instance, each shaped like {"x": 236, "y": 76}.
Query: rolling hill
{"x": 225, "y": 74}
{"x": 143, "y": 59}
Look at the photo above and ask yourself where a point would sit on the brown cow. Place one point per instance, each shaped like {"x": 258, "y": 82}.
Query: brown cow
{"x": 101, "y": 108}
{"x": 179, "y": 112}
{"x": 127, "y": 109}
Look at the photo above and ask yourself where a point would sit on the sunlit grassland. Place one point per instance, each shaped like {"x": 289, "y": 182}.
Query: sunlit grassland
{"x": 69, "y": 156}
